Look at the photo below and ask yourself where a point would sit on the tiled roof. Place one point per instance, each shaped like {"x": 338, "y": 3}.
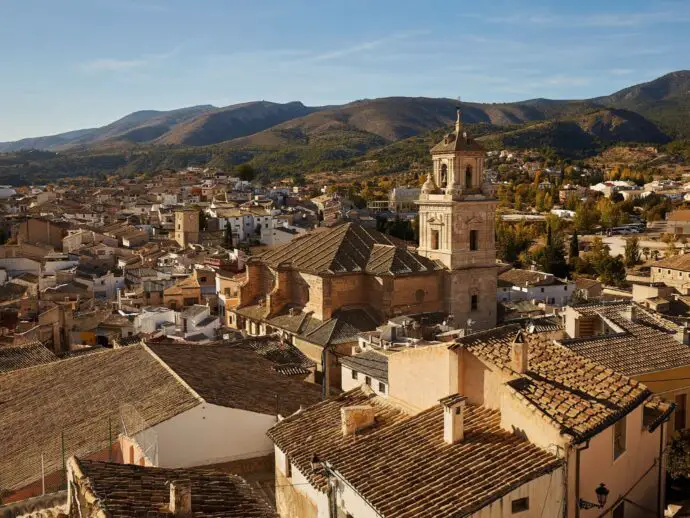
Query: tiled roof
{"x": 678, "y": 262}
{"x": 79, "y": 397}
{"x": 576, "y": 394}
{"x": 348, "y": 248}
{"x": 518, "y": 277}
{"x": 236, "y": 378}
{"x": 370, "y": 363}
{"x": 23, "y": 356}
{"x": 645, "y": 345}
{"x": 283, "y": 355}
{"x": 125, "y": 490}
{"x": 451, "y": 143}
{"x": 402, "y": 466}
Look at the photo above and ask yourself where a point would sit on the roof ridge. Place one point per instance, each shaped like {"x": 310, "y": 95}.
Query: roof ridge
{"x": 175, "y": 375}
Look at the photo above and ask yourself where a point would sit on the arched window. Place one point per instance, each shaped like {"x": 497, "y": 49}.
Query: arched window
{"x": 468, "y": 176}
{"x": 444, "y": 176}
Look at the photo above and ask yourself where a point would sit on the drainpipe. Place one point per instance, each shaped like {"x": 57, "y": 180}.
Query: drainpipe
{"x": 578, "y": 449}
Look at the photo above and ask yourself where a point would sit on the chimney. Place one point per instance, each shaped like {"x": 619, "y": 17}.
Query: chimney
{"x": 453, "y": 418}
{"x": 181, "y": 498}
{"x": 518, "y": 353}
{"x": 356, "y": 418}
{"x": 631, "y": 313}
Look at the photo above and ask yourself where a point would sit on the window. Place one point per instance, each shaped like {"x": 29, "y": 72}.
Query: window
{"x": 367, "y": 380}
{"x": 680, "y": 418}
{"x": 619, "y": 438}
{"x": 542, "y": 290}
{"x": 619, "y": 511}
{"x": 131, "y": 454}
{"x": 520, "y": 505}
{"x": 434, "y": 239}
{"x": 468, "y": 176}
{"x": 288, "y": 467}
{"x": 474, "y": 302}
{"x": 382, "y": 387}
{"x": 444, "y": 175}
{"x": 354, "y": 375}
{"x": 474, "y": 239}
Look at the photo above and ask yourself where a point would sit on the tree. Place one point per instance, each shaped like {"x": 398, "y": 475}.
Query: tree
{"x": 551, "y": 257}
{"x": 646, "y": 253}
{"x": 228, "y": 236}
{"x": 574, "y": 248}
{"x": 299, "y": 180}
{"x": 586, "y": 217}
{"x": 632, "y": 251}
{"x": 512, "y": 241}
{"x": 678, "y": 462}
{"x": 245, "y": 172}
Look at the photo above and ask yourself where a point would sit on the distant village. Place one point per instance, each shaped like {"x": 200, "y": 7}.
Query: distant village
{"x": 194, "y": 344}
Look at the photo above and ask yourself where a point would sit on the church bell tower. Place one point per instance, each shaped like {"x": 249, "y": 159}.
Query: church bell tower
{"x": 457, "y": 228}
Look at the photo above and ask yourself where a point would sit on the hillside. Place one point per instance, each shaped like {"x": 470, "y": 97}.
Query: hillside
{"x": 232, "y": 122}
{"x": 581, "y": 135}
{"x": 665, "y": 101}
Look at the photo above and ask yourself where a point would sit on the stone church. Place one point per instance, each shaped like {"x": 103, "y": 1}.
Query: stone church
{"x": 323, "y": 288}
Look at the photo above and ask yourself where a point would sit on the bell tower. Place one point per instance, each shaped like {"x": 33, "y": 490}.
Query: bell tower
{"x": 456, "y": 222}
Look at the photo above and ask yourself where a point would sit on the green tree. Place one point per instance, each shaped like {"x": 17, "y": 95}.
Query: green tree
{"x": 551, "y": 257}
{"x": 632, "y": 251}
{"x": 245, "y": 172}
{"x": 228, "y": 236}
{"x": 678, "y": 460}
{"x": 586, "y": 217}
{"x": 512, "y": 241}
{"x": 574, "y": 248}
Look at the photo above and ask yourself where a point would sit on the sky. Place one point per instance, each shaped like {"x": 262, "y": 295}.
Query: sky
{"x": 73, "y": 64}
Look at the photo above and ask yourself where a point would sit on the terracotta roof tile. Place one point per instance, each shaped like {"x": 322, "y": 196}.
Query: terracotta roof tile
{"x": 386, "y": 462}
{"x": 348, "y": 248}
{"x": 124, "y": 490}
{"x": 645, "y": 345}
{"x": 23, "y": 356}
{"x": 578, "y": 395}
{"x": 236, "y": 378}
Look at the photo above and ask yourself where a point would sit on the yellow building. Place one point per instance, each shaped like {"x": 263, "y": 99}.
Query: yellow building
{"x": 187, "y": 227}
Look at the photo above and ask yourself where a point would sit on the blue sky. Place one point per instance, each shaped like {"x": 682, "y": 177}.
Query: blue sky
{"x": 70, "y": 64}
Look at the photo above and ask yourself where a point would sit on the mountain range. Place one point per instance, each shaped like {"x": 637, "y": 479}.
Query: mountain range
{"x": 653, "y": 111}
{"x": 282, "y": 138}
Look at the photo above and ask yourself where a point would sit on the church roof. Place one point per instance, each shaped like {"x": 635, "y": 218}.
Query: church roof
{"x": 349, "y": 248}
{"x": 452, "y": 143}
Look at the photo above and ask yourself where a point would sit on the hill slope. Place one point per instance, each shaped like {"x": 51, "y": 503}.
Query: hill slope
{"x": 582, "y": 134}
{"x": 665, "y": 100}
{"x": 232, "y": 122}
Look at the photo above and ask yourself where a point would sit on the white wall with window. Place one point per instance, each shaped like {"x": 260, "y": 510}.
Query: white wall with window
{"x": 353, "y": 379}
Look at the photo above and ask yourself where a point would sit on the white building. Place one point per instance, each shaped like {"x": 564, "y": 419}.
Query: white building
{"x": 517, "y": 284}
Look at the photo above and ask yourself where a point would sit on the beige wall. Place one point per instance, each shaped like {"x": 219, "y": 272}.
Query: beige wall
{"x": 420, "y": 377}
{"x": 677, "y": 278}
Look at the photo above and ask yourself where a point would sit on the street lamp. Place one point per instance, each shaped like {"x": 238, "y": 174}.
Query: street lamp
{"x": 602, "y": 494}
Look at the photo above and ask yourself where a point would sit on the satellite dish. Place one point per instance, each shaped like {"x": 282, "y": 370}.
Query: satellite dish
{"x": 470, "y": 322}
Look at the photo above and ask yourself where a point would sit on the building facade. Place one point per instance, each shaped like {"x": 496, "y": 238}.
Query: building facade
{"x": 456, "y": 221}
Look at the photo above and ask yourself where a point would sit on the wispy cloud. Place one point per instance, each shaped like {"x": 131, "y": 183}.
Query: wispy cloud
{"x": 112, "y": 65}
{"x": 363, "y": 47}
{"x": 594, "y": 20}
{"x": 621, "y": 71}
{"x": 106, "y": 65}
